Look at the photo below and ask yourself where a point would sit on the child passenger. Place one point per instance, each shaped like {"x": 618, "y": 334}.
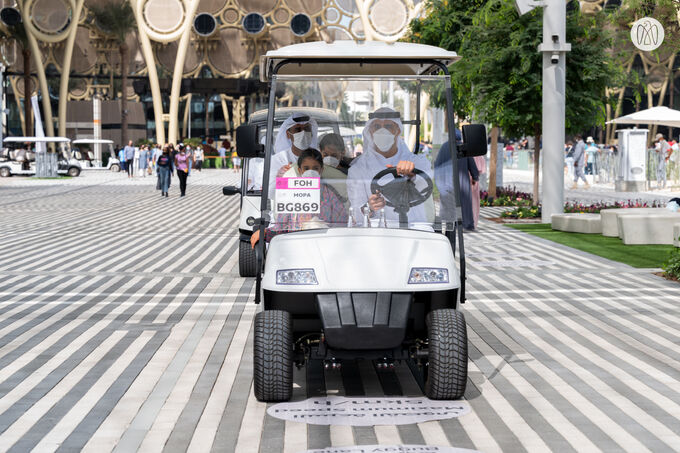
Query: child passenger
{"x": 333, "y": 212}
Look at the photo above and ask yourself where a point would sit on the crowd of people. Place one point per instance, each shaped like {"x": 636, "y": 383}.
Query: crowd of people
{"x": 587, "y": 158}
{"x": 585, "y": 161}
{"x": 168, "y": 160}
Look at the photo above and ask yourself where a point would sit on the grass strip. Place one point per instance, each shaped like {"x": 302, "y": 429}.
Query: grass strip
{"x": 640, "y": 256}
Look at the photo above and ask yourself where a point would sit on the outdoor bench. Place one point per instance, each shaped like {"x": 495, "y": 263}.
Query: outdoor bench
{"x": 656, "y": 228}
{"x": 577, "y": 223}
{"x": 610, "y": 223}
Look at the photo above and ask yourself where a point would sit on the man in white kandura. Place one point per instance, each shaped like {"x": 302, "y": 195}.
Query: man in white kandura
{"x": 296, "y": 134}
{"x": 383, "y": 148}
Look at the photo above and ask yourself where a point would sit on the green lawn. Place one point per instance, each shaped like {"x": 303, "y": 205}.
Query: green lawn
{"x": 606, "y": 247}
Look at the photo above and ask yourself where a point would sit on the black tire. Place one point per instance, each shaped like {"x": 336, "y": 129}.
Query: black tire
{"x": 115, "y": 168}
{"x": 73, "y": 171}
{"x": 273, "y": 356}
{"x": 247, "y": 262}
{"x": 447, "y": 355}
{"x": 5, "y": 172}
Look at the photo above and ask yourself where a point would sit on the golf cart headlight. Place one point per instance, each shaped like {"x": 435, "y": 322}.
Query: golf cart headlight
{"x": 428, "y": 275}
{"x": 296, "y": 277}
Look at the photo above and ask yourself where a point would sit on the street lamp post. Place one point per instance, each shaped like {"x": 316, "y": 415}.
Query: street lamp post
{"x": 554, "y": 48}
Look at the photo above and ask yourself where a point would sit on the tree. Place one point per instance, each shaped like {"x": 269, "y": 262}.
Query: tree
{"x": 500, "y": 74}
{"x": 117, "y": 20}
{"x": 17, "y": 33}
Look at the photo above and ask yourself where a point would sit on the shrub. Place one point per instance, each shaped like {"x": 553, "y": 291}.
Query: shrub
{"x": 595, "y": 208}
{"x": 522, "y": 212}
{"x": 672, "y": 266}
{"x": 505, "y": 196}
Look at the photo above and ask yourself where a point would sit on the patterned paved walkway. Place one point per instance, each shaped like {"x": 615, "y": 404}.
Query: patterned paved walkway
{"x": 124, "y": 327}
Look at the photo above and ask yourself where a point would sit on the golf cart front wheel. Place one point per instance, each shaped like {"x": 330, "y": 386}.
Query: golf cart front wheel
{"x": 115, "y": 168}
{"x": 448, "y": 355}
{"x": 273, "y": 356}
{"x": 247, "y": 261}
{"x": 74, "y": 171}
{"x": 5, "y": 172}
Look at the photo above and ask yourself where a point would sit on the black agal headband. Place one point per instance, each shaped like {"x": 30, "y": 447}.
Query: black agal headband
{"x": 301, "y": 119}
{"x": 384, "y": 115}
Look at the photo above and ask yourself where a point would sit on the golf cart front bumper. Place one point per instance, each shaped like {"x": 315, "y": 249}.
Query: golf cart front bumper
{"x": 364, "y": 321}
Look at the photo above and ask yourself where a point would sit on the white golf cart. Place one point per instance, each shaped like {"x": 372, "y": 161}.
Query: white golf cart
{"x": 251, "y": 178}
{"x": 346, "y": 282}
{"x": 18, "y": 156}
{"x": 88, "y": 152}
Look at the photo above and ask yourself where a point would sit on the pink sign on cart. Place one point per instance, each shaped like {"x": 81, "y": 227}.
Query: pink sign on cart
{"x": 298, "y": 196}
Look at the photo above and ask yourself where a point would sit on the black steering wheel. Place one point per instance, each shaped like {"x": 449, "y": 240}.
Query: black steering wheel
{"x": 401, "y": 192}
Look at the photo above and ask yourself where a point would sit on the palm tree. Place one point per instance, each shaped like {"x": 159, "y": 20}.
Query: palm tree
{"x": 117, "y": 20}
{"x": 18, "y": 34}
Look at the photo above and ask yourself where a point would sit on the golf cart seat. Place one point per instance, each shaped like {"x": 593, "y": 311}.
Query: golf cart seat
{"x": 19, "y": 155}
{"x": 4, "y": 154}
{"x": 30, "y": 156}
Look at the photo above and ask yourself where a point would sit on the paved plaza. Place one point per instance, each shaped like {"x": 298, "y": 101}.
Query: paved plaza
{"x": 125, "y": 327}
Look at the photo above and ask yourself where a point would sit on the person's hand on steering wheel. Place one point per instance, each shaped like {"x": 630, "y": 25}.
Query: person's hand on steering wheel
{"x": 405, "y": 168}
{"x": 376, "y": 202}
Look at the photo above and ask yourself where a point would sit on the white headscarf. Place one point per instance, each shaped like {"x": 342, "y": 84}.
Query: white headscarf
{"x": 283, "y": 143}
{"x": 370, "y": 156}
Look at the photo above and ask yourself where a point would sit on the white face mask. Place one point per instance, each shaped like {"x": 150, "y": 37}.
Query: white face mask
{"x": 302, "y": 140}
{"x": 331, "y": 161}
{"x": 383, "y": 139}
{"x": 311, "y": 174}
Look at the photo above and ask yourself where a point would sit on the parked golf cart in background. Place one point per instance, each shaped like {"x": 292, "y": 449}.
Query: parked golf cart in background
{"x": 19, "y": 153}
{"x": 89, "y": 153}
{"x": 251, "y": 177}
{"x": 382, "y": 285}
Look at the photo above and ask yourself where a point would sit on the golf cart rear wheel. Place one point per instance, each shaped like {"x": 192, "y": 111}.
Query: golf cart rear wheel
{"x": 5, "y": 172}
{"x": 448, "y": 356}
{"x": 273, "y": 356}
{"x": 247, "y": 262}
{"x": 115, "y": 168}
{"x": 73, "y": 171}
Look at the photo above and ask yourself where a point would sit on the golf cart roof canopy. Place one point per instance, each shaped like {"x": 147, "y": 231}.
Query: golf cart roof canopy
{"x": 92, "y": 141}
{"x": 37, "y": 140}
{"x": 349, "y": 58}
{"x": 318, "y": 114}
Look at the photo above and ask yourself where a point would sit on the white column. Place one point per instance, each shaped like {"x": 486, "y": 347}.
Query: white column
{"x": 554, "y": 48}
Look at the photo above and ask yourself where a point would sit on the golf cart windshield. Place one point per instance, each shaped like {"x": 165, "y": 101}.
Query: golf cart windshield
{"x": 253, "y": 169}
{"x": 383, "y": 171}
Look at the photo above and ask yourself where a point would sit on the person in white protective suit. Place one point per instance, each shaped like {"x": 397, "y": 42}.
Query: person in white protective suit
{"x": 297, "y": 133}
{"x": 383, "y": 148}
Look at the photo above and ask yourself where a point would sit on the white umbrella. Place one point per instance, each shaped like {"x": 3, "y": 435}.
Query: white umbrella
{"x": 660, "y": 116}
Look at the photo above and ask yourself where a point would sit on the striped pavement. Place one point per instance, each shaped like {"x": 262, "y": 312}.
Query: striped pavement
{"x": 124, "y": 327}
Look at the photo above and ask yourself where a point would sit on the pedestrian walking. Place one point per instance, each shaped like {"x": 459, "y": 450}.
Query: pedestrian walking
{"x": 143, "y": 160}
{"x": 222, "y": 151}
{"x": 579, "y": 162}
{"x": 480, "y": 163}
{"x": 198, "y": 156}
{"x": 663, "y": 153}
{"x": 164, "y": 165}
{"x": 236, "y": 161}
{"x": 190, "y": 155}
{"x": 591, "y": 152}
{"x": 130, "y": 159}
{"x": 569, "y": 159}
{"x": 121, "y": 159}
{"x": 182, "y": 166}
